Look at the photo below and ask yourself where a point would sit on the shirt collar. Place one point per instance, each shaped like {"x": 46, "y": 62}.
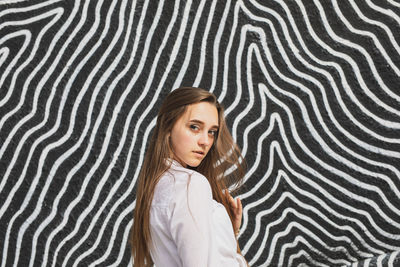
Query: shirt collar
{"x": 173, "y": 163}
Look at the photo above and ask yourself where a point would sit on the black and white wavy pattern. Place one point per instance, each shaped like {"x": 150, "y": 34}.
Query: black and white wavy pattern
{"x": 311, "y": 92}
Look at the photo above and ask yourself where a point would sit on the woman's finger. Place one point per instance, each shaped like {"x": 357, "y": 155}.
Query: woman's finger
{"x": 232, "y": 202}
{"x": 239, "y": 204}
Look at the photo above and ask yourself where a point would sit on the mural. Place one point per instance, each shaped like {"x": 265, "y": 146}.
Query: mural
{"x": 311, "y": 92}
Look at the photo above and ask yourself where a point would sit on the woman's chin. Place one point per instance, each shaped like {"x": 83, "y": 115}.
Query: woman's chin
{"x": 194, "y": 163}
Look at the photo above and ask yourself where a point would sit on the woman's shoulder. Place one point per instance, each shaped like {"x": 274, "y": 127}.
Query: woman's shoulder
{"x": 175, "y": 184}
{"x": 184, "y": 179}
{"x": 176, "y": 175}
{"x": 187, "y": 175}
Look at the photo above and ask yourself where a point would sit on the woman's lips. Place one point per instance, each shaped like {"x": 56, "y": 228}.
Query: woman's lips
{"x": 199, "y": 153}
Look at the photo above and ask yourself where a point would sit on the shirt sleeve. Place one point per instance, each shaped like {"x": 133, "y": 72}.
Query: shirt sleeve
{"x": 191, "y": 221}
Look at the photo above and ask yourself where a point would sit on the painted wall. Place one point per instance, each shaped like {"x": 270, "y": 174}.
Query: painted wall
{"x": 311, "y": 91}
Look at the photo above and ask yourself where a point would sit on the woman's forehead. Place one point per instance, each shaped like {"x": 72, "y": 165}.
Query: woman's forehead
{"x": 204, "y": 112}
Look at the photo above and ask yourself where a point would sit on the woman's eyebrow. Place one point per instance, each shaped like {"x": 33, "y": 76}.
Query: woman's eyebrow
{"x": 202, "y": 123}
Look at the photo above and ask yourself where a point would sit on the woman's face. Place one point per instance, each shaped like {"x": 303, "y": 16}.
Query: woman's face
{"x": 193, "y": 133}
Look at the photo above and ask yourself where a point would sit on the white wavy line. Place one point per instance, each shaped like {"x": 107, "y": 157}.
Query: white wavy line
{"x": 378, "y": 24}
{"x": 43, "y": 80}
{"x": 127, "y": 193}
{"x": 124, "y": 241}
{"x": 189, "y": 46}
{"x": 35, "y": 181}
{"x": 364, "y": 158}
{"x": 307, "y": 231}
{"x": 148, "y": 84}
{"x": 217, "y": 41}
{"x": 251, "y": 126}
{"x": 36, "y": 212}
{"x": 301, "y": 253}
{"x": 312, "y": 235}
{"x": 99, "y": 85}
{"x": 333, "y": 64}
{"x": 27, "y": 38}
{"x": 14, "y": 10}
{"x": 54, "y": 128}
{"x": 296, "y": 241}
{"x": 114, "y": 84}
{"x": 62, "y": 104}
{"x": 367, "y": 262}
{"x": 103, "y": 151}
{"x": 326, "y": 148}
{"x": 260, "y": 119}
{"x": 275, "y": 144}
{"x": 387, "y": 12}
{"x": 320, "y": 140}
{"x": 258, "y": 154}
{"x": 242, "y": 114}
{"x": 376, "y": 150}
{"x": 377, "y": 43}
{"x": 331, "y": 260}
{"x": 387, "y": 180}
{"x": 57, "y": 14}
{"x": 288, "y": 229}
{"x": 221, "y": 97}
{"x": 7, "y": 2}
{"x": 4, "y": 52}
{"x": 40, "y": 85}
{"x": 238, "y": 57}
{"x": 379, "y": 260}
{"x": 357, "y": 72}
{"x": 304, "y": 205}
{"x": 57, "y": 36}
{"x": 203, "y": 48}
{"x": 315, "y": 134}
{"x": 392, "y": 257}
{"x": 317, "y": 112}
{"x": 394, "y": 3}
{"x": 238, "y": 70}
{"x": 28, "y": 34}
{"x": 322, "y": 72}
{"x": 107, "y": 138}
{"x": 246, "y": 209}
{"x": 311, "y": 196}
{"x": 338, "y": 172}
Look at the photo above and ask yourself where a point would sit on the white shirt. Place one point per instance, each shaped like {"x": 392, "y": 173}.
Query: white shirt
{"x": 188, "y": 228}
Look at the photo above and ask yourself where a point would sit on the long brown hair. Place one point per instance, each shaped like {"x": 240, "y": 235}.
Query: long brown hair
{"x": 223, "y": 154}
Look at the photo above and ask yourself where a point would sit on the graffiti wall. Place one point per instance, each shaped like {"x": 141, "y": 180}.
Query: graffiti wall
{"x": 311, "y": 93}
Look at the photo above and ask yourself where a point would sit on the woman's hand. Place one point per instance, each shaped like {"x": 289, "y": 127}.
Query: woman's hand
{"x": 236, "y": 208}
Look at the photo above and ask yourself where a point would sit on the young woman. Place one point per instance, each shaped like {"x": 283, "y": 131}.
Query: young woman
{"x": 184, "y": 215}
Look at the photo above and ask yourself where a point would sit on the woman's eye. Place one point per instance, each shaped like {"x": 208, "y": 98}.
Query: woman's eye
{"x": 194, "y": 127}
{"x": 213, "y": 133}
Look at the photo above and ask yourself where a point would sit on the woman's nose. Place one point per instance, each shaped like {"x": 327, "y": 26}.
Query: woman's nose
{"x": 204, "y": 139}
